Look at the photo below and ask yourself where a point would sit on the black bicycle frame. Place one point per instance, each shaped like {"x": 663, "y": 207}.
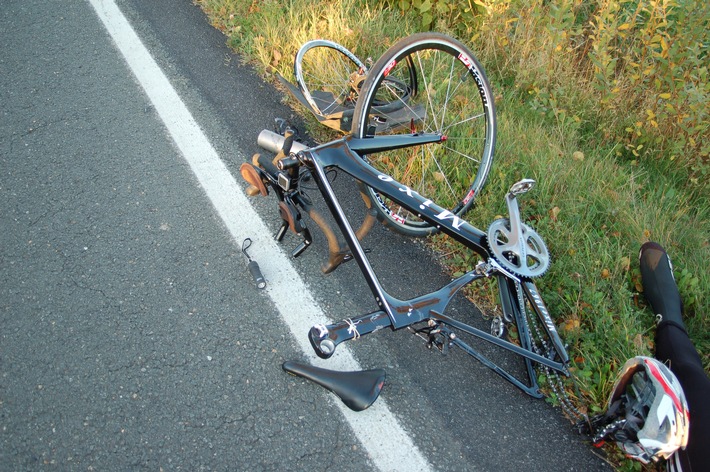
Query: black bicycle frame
{"x": 347, "y": 156}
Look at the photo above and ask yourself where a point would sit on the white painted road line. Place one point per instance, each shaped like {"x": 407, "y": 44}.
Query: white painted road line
{"x": 388, "y": 445}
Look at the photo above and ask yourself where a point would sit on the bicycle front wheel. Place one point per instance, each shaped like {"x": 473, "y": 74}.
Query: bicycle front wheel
{"x": 452, "y": 97}
{"x": 328, "y": 75}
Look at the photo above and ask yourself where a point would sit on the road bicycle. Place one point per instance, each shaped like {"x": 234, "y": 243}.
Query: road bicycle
{"x": 426, "y": 82}
{"x": 511, "y": 252}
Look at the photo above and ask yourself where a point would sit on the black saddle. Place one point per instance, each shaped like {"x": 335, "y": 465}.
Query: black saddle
{"x": 358, "y": 389}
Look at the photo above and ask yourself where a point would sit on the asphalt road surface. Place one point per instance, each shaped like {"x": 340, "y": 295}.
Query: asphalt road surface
{"x": 131, "y": 335}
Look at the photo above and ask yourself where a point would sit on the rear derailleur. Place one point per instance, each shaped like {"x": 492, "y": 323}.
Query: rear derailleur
{"x": 435, "y": 335}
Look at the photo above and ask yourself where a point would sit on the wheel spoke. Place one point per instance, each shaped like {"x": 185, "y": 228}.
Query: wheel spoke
{"x": 444, "y": 96}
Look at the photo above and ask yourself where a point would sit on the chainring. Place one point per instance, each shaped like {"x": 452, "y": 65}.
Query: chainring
{"x": 527, "y": 257}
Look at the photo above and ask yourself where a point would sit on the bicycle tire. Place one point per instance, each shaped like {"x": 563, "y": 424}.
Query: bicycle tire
{"x": 454, "y": 98}
{"x": 323, "y": 71}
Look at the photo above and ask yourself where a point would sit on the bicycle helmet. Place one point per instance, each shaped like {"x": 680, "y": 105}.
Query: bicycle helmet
{"x": 650, "y": 410}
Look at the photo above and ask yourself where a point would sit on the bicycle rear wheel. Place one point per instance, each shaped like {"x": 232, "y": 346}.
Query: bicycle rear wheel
{"x": 451, "y": 97}
{"x": 329, "y": 76}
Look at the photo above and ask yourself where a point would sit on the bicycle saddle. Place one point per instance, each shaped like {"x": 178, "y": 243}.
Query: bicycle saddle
{"x": 358, "y": 389}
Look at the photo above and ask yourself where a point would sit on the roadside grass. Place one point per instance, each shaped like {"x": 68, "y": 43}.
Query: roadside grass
{"x": 269, "y": 33}
{"x": 615, "y": 166}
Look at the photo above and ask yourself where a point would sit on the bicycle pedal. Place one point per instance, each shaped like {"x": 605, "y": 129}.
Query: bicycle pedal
{"x": 523, "y": 186}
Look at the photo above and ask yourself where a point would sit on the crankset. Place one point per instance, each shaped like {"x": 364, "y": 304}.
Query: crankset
{"x": 515, "y": 245}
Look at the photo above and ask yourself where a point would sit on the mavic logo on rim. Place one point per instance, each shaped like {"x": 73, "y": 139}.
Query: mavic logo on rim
{"x": 469, "y": 196}
{"x": 467, "y": 61}
{"x": 389, "y": 67}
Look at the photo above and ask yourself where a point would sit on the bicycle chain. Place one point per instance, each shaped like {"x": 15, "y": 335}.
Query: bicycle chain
{"x": 606, "y": 431}
{"x": 557, "y": 385}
